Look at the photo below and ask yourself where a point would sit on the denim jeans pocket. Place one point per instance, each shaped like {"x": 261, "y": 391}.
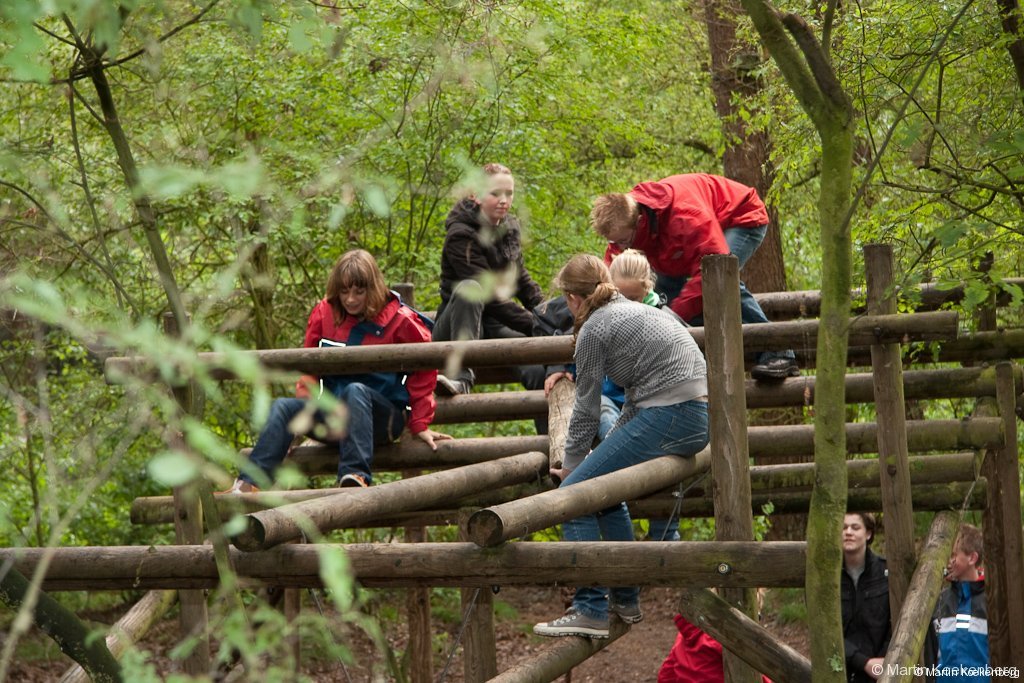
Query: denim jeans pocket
{"x": 687, "y": 433}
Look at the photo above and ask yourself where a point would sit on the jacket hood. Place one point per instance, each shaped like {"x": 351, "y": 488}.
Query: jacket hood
{"x": 466, "y": 212}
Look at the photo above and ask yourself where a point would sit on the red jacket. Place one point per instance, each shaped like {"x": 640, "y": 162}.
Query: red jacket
{"x": 395, "y": 324}
{"x": 696, "y": 657}
{"x": 691, "y": 213}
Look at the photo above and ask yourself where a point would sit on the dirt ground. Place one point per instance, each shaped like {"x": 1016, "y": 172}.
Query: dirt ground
{"x": 636, "y": 656}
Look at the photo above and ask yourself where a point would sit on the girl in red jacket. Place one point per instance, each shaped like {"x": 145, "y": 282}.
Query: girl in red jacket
{"x": 358, "y": 310}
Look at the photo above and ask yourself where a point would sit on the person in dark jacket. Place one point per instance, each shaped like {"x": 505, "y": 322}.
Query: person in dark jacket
{"x": 481, "y": 270}
{"x": 957, "y": 641}
{"x": 864, "y": 585}
{"x": 676, "y": 222}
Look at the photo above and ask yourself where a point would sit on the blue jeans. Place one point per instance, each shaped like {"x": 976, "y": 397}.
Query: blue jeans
{"x": 680, "y": 429}
{"x": 372, "y": 420}
{"x": 610, "y": 411}
{"x": 743, "y": 242}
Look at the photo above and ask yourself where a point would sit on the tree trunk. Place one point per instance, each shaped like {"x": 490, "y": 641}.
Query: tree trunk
{"x": 806, "y": 66}
{"x": 747, "y": 158}
{"x": 63, "y": 626}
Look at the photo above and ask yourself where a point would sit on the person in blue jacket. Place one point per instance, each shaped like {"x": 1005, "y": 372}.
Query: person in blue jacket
{"x": 957, "y": 644}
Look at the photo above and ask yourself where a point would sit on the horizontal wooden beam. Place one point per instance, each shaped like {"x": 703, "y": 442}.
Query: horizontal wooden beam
{"x": 766, "y": 481}
{"x": 807, "y": 303}
{"x": 764, "y": 442}
{"x": 315, "y": 458}
{"x": 693, "y": 563}
{"x": 863, "y": 331}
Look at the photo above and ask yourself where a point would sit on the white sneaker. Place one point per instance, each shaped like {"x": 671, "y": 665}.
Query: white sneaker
{"x": 241, "y": 486}
{"x": 451, "y": 387}
{"x": 573, "y": 624}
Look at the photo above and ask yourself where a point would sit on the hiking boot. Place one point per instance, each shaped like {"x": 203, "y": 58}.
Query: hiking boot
{"x": 350, "y": 481}
{"x": 629, "y": 614}
{"x": 241, "y": 486}
{"x": 775, "y": 370}
{"x": 451, "y": 387}
{"x": 573, "y": 624}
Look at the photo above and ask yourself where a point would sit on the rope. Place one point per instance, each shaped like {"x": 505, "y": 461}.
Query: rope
{"x": 320, "y": 608}
{"x": 458, "y": 636}
{"x": 678, "y": 507}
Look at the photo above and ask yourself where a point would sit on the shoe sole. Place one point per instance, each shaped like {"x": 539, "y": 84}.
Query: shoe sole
{"x": 630, "y": 620}
{"x": 582, "y": 632}
{"x": 775, "y": 377}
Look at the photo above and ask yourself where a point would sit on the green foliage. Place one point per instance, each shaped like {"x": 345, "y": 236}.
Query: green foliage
{"x": 269, "y": 137}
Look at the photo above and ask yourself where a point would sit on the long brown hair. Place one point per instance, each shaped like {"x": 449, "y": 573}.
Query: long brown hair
{"x": 357, "y": 268}
{"x": 586, "y": 276}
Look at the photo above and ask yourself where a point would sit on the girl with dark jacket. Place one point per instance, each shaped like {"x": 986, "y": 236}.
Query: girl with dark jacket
{"x": 864, "y": 589}
{"x": 481, "y": 270}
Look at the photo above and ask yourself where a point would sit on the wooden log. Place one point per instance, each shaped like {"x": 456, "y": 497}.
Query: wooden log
{"x": 495, "y": 525}
{"x": 603, "y": 563}
{"x": 807, "y": 303}
{"x": 914, "y": 620}
{"x": 271, "y": 527}
{"x": 727, "y": 413}
{"x": 862, "y": 437}
{"x": 928, "y": 296}
{"x": 864, "y": 331}
{"x": 864, "y": 473}
{"x": 316, "y": 458}
{"x": 1001, "y": 530}
{"x": 560, "y": 656}
{"x": 480, "y": 653}
{"x": 507, "y": 405}
{"x": 778, "y": 483}
{"x": 560, "y": 403}
{"x": 890, "y": 408}
{"x": 764, "y": 442}
{"x": 927, "y": 497}
{"x": 796, "y": 391}
{"x": 743, "y": 636}
{"x": 129, "y": 629}
{"x": 917, "y": 384}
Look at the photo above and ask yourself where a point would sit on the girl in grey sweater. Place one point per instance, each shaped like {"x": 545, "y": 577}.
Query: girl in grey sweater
{"x": 656, "y": 361}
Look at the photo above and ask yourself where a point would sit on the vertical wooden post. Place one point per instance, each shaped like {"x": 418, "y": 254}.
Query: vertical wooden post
{"x": 560, "y": 403}
{"x": 730, "y": 457}
{"x": 417, "y": 600}
{"x": 193, "y": 616}
{"x": 480, "y": 653}
{"x": 1004, "y": 547}
{"x": 893, "y": 460}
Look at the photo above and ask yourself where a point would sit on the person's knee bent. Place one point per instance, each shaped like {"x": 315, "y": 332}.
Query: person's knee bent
{"x": 355, "y": 393}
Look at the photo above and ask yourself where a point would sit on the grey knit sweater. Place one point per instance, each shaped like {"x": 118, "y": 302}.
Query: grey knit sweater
{"x": 640, "y": 348}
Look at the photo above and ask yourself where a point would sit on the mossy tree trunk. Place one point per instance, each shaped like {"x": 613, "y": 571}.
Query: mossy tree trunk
{"x": 66, "y": 629}
{"x": 805, "y": 65}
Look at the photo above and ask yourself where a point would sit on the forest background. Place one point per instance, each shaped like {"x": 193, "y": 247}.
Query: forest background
{"x": 213, "y": 159}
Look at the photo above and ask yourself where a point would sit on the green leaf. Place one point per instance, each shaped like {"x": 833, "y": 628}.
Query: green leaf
{"x": 173, "y": 468}
{"x": 377, "y": 201}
